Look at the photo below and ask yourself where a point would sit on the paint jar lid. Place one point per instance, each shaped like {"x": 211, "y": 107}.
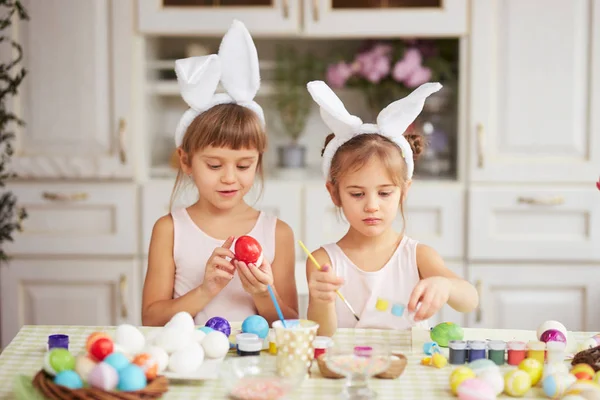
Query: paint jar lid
{"x": 250, "y": 345}
{"x": 496, "y": 345}
{"x": 516, "y": 345}
{"x": 245, "y": 337}
{"x": 536, "y": 345}
{"x": 58, "y": 340}
{"x": 477, "y": 345}
{"x": 457, "y": 344}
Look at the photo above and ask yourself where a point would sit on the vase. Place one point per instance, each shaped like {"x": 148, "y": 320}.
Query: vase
{"x": 291, "y": 156}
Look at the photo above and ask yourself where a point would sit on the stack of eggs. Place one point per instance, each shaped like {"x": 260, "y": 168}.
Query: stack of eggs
{"x": 481, "y": 379}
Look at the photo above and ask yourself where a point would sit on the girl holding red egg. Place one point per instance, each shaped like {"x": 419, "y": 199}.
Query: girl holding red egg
{"x": 194, "y": 263}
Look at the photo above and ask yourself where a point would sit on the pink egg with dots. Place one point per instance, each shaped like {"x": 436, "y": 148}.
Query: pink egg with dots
{"x": 475, "y": 389}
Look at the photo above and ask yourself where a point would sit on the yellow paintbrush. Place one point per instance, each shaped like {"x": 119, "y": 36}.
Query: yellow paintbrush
{"x": 310, "y": 256}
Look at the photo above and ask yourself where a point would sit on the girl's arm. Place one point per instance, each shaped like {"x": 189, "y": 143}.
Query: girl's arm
{"x": 322, "y": 296}
{"x": 158, "y": 305}
{"x": 463, "y": 296}
{"x": 284, "y": 278}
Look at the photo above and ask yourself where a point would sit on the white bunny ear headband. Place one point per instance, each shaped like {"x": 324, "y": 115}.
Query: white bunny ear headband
{"x": 236, "y": 67}
{"x": 392, "y": 121}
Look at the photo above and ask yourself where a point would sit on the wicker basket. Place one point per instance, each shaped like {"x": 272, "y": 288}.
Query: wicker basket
{"x": 45, "y": 384}
{"x": 395, "y": 369}
{"x": 590, "y": 357}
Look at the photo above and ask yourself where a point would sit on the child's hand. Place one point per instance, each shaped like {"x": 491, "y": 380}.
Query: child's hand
{"x": 255, "y": 279}
{"x": 432, "y": 293}
{"x": 218, "y": 272}
{"x": 323, "y": 284}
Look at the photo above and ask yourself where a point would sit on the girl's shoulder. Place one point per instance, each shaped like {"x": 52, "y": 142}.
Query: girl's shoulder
{"x": 164, "y": 224}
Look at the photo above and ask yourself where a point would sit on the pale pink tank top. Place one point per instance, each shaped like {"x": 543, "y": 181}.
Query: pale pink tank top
{"x": 379, "y": 298}
{"x": 191, "y": 249}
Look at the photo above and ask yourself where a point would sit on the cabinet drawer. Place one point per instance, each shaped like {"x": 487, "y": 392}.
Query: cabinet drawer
{"x": 434, "y": 216}
{"x": 534, "y": 224}
{"x": 76, "y": 219}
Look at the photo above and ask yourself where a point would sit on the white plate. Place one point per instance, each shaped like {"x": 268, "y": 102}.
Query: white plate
{"x": 209, "y": 370}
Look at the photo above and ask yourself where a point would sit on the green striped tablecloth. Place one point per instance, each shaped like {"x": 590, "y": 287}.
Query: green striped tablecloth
{"x": 25, "y": 355}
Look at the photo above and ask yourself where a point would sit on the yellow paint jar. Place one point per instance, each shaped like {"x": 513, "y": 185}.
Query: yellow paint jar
{"x": 536, "y": 350}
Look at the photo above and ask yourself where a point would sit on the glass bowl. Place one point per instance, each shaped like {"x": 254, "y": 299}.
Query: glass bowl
{"x": 256, "y": 378}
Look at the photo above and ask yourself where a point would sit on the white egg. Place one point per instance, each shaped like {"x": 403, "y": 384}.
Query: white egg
{"x": 551, "y": 325}
{"x": 198, "y": 336}
{"x": 215, "y": 344}
{"x": 152, "y": 335}
{"x": 130, "y": 338}
{"x": 494, "y": 379}
{"x": 117, "y": 348}
{"x": 160, "y": 356}
{"x": 83, "y": 366}
{"x": 172, "y": 339}
{"x": 589, "y": 343}
{"x": 555, "y": 368}
{"x": 182, "y": 321}
{"x": 186, "y": 360}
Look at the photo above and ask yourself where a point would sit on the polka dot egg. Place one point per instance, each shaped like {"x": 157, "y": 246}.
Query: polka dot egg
{"x": 556, "y": 385}
{"x": 516, "y": 383}
{"x": 475, "y": 389}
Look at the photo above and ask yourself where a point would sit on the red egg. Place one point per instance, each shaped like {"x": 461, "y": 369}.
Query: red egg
{"x": 247, "y": 249}
{"x": 93, "y": 337}
{"x": 101, "y": 348}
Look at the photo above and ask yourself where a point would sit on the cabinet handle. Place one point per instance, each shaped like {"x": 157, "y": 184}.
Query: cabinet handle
{"x": 286, "y": 9}
{"x": 123, "y": 295}
{"x": 480, "y": 146}
{"x": 315, "y": 9}
{"x": 121, "y": 141}
{"x": 553, "y": 201}
{"x": 479, "y": 312}
{"x": 65, "y": 197}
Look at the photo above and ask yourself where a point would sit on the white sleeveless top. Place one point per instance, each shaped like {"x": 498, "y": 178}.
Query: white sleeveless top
{"x": 379, "y": 298}
{"x": 191, "y": 250}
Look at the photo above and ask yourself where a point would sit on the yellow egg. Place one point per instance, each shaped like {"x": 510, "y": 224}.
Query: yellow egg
{"x": 458, "y": 376}
{"x": 597, "y": 377}
{"x": 438, "y": 360}
{"x": 426, "y": 361}
{"x": 517, "y": 382}
{"x": 583, "y": 372}
{"x": 585, "y": 388}
{"x": 534, "y": 368}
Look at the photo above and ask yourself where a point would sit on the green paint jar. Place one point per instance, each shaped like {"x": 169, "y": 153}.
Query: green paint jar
{"x": 497, "y": 351}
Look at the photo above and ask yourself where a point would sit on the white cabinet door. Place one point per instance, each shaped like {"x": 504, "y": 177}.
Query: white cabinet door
{"x": 177, "y": 17}
{"x": 75, "y": 99}
{"x": 516, "y": 296}
{"x": 535, "y": 93}
{"x": 67, "y": 292}
{"x": 330, "y": 18}
{"x": 513, "y": 223}
{"x": 76, "y": 219}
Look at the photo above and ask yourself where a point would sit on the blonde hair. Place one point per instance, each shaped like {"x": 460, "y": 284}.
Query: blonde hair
{"x": 224, "y": 125}
{"x": 356, "y": 152}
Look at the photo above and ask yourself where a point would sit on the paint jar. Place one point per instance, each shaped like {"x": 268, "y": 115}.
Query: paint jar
{"x": 555, "y": 352}
{"x": 458, "y": 352}
{"x": 321, "y": 344}
{"x": 58, "y": 341}
{"x": 516, "y": 352}
{"x": 242, "y": 338}
{"x": 476, "y": 350}
{"x": 250, "y": 347}
{"x": 272, "y": 343}
{"x": 537, "y": 350}
{"x": 497, "y": 351}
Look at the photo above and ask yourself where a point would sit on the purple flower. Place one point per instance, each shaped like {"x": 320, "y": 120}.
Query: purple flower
{"x": 338, "y": 74}
{"x": 410, "y": 62}
{"x": 374, "y": 64}
{"x": 418, "y": 77}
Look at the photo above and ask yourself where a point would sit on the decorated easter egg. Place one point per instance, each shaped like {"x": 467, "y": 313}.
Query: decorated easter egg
{"x": 215, "y": 345}
{"x": 101, "y": 348}
{"x": 132, "y": 378}
{"x": 183, "y": 321}
{"x": 248, "y": 250}
{"x": 84, "y": 365}
{"x": 494, "y": 379}
{"x": 555, "y": 368}
{"x": 130, "y": 338}
{"x": 58, "y": 360}
{"x": 68, "y": 379}
{"x": 548, "y": 325}
{"x": 446, "y": 331}
{"x": 188, "y": 359}
{"x": 534, "y": 368}
{"x": 597, "y": 377}
{"x": 93, "y": 337}
{"x": 148, "y": 365}
{"x": 573, "y": 397}
{"x": 583, "y": 372}
{"x": 553, "y": 335}
{"x": 458, "y": 376}
{"x": 475, "y": 389}
{"x": 517, "y": 382}
{"x": 172, "y": 339}
{"x": 219, "y": 324}
{"x": 586, "y": 389}
{"x": 438, "y": 360}
{"x": 103, "y": 377}
{"x": 556, "y": 385}
{"x": 257, "y": 325}
{"x": 160, "y": 356}
{"x": 117, "y": 360}
{"x": 483, "y": 364}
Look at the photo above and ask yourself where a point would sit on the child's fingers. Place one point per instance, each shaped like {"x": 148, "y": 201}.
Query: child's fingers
{"x": 325, "y": 287}
{"x": 259, "y": 274}
{"x": 245, "y": 271}
{"x": 415, "y": 296}
{"x": 227, "y": 244}
{"x": 223, "y": 264}
{"x": 328, "y": 278}
{"x": 222, "y": 274}
{"x": 426, "y": 307}
{"x": 222, "y": 252}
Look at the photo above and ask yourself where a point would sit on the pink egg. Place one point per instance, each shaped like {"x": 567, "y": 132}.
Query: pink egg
{"x": 104, "y": 377}
{"x": 553, "y": 335}
{"x": 475, "y": 389}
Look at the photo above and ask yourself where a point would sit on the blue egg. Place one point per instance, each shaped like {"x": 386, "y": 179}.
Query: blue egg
{"x": 117, "y": 360}
{"x": 131, "y": 378}
{"x": 68, "y": 379}
{"x": 257, "y": 325}
{"x": 206, "y": 329}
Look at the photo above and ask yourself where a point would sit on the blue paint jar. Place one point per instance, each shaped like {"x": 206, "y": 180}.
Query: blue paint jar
{"x": 476, "y": 350}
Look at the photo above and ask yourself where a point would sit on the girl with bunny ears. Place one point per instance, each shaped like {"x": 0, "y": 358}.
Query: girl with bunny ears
{"x": 220, "y": 140}
{"x": 391, "y": 280}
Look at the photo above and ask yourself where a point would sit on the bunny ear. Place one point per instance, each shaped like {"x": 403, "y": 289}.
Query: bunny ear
{"x": 198, "y": 78}
{"x": 240, "y": 71}
{"x": 397, "y": 117}
{"x": 334, "y": 114}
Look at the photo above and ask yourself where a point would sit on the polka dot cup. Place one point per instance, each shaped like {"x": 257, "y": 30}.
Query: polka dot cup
{"x": 294, "y": 345}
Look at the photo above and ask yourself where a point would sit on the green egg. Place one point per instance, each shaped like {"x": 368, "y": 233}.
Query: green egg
{"x": 61, "y": 360}
{"x": 446, "y": 331}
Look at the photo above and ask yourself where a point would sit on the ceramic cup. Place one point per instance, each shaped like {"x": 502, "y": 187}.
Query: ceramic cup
{"x": 295, "y": 349}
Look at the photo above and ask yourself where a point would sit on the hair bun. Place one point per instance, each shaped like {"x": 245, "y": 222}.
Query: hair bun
{"x": 417, "y": 143}
{"x": 328, "y": 139}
